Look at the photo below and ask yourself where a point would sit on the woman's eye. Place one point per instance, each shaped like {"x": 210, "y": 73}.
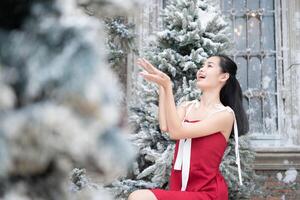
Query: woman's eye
{"x": 209, "y": 65}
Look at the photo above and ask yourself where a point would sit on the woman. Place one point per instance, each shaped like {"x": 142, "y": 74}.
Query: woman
{"x": 200, "y": 145}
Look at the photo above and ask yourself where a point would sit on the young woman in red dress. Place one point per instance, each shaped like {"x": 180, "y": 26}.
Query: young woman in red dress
{"x": 201, "y": 129}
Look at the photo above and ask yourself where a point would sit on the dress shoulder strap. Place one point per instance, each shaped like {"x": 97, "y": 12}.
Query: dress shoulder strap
{"x": 189, "y": 108}
{"x": 219, "y": 109}
{"x": 187, "y": 103}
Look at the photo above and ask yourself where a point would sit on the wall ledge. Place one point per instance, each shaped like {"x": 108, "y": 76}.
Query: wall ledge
{"x": 277, "y": 159}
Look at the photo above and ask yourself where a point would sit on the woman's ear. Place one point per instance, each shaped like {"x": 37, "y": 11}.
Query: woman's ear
{"x": 225, "y": 76}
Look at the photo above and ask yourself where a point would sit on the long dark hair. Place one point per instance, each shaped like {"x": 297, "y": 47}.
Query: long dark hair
{"x": 231, "y": 94}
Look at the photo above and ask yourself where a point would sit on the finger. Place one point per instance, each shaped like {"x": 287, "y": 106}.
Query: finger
{"x": 144, "y": 65}
{"x": 150, "y": 66}
{"x": 153, "y": 78}
{"x": 141, "y": 62}
{"x": 143, "y": 73}
{"x": 144, "y": 76}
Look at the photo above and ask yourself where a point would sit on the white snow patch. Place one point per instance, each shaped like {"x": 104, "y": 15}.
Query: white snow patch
{"x": 266, "y": 82}
{"x": 205, "y": 17}
{"x": 279, "y": 176}
{"x": 296, "y": 56}
{"x": 290, "y": 175}
{"x": 297, "y": 20}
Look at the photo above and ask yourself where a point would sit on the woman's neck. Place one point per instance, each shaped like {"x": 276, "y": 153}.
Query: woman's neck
{"x": 208, "y": 99}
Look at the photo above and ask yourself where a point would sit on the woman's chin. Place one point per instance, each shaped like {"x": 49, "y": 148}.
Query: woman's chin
{"x": 201, "y": 85}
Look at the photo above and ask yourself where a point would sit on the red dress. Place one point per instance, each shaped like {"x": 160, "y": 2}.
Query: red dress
{"x": 205, "y": 180}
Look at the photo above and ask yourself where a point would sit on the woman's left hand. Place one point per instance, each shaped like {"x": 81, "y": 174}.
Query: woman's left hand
{"x": 153, "y": 74}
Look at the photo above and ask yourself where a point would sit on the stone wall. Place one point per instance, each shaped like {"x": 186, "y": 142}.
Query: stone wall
{"x": 275, "y": 187}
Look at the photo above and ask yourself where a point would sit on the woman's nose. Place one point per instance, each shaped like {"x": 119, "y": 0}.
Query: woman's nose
{"x": 199, "y": 71}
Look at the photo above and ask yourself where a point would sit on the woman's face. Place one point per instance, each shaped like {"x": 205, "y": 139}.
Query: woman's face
{"x": 210, "y": 74}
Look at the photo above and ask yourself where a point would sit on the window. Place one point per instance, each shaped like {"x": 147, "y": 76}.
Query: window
{"x": 254, "y": 32}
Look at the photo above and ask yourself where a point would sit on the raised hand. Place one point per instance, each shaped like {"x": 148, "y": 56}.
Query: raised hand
{"x": 153, "y": 74}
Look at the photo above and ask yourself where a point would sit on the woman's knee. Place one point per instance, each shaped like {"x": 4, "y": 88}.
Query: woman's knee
{"x": 143, "y": 194}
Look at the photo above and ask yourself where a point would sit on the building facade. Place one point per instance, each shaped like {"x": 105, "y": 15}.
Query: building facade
{"x": 266, "y": 34}
{"x": 267, "y": 50}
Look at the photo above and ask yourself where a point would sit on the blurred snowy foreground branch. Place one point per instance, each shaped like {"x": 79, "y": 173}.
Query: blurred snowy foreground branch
{"x": 59, "y": 104}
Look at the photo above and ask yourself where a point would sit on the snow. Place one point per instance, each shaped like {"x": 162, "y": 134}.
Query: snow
{"x": 67, "y": 116}
{"x": 290, "y": 175}
{"x": 297, "y": 20}
{"x": 7, "y": 98}
{"x": 296, "y": 56}
{"x": 205, "y": 17}
{"x": 279, "y": 176}
{"x": 285, "y": 162}
{"x": 266, "y": 82}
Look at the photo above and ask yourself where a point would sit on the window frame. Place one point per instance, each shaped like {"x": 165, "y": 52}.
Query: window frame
{"x": 261, "y": 140}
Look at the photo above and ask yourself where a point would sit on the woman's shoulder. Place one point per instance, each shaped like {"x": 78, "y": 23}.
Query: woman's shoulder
{"x": 226, "y": 112}
{"x": 221, "y": 107}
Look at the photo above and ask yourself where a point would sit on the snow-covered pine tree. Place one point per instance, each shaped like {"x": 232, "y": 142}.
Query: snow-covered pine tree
{"x": 120, "y": 40}
{"x": 119, "y": 31}
{"x": 193, "y": 31}
{"x": 59, "y": 104}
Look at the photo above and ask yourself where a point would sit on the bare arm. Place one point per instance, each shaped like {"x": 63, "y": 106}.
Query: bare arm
{"x": 162, "y": 113}
{"x": 181, "y": 109}
{"x": 152, "y": 71}
{"x": 218, "y": 122}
